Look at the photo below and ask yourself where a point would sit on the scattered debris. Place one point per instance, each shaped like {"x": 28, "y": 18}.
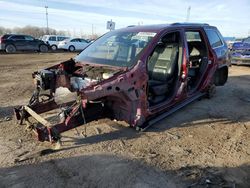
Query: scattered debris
{"x": 97, "y": 130}
{"x": 23, "y": 153}
{"x": 7, "y": 118}
{"x": 176, "y": 137}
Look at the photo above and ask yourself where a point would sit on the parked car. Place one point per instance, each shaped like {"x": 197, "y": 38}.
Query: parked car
{"x": 240, "y": 53}
{"x": 12, "y": 43}
{"x": 139, "y": 75}
{"x": 53, "y": 40}
{"x": 75, "y": 44}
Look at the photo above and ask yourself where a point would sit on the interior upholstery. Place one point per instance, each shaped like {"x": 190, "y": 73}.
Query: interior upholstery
{"x": 197, "y": 50}
{"x": 161, "y": 68}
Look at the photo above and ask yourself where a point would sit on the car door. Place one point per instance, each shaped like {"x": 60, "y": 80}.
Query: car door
{"x": 218, "y": 44}
{"x": 19, "y": 42}
{"x": 199, "y": 62}
{"x": 166, "y": 84}
{"x": 83, "y": 44}
{"x": 75, "y": 43}
{"x": 31, "y": 43}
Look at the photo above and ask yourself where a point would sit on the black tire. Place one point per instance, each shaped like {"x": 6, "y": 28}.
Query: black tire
{"x": 72, "y": 48}
{"x": 43, "y": 48}
{"x": 53, "y": 47}
{"x": 10, "y": 48}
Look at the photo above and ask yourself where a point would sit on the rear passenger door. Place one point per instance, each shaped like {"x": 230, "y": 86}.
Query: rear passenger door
{"x": 218, "y": 44}
{"x": 75, "y": 43}
{"x": 83, "y": 43}
{"x": 19, "y": 42}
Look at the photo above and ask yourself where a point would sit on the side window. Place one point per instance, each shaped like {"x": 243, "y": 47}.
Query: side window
{"x": 213, "y": 38}
{"x": 247, "y": 40}
{"x": 52, "y": 38}
{"x": 29, "y": 38}
{"x": 17, "y": 37}
{"x": 74, "y": 40}
{"x": 61, "y": 38}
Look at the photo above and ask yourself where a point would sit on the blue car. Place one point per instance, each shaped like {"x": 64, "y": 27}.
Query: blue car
{"x": 240, "y": 53}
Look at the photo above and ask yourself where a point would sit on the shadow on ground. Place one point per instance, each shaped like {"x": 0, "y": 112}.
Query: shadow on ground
{"x": 112, "y": 171}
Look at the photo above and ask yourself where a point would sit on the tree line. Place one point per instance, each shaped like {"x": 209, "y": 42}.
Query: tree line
{"x": 32, "y": 30}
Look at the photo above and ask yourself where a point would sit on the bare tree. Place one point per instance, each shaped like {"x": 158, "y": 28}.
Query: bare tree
{"x": 31, "y": 30}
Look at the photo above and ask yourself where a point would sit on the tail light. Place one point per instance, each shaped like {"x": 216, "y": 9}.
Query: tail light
{"x": 1, "y": 40}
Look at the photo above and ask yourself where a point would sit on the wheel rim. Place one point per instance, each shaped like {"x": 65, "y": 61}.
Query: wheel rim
{"x": 10, "y": 49}
{"x": 43, "y": 48}
{"x": 53, "y": 47}
{"x": 71, "y": 48}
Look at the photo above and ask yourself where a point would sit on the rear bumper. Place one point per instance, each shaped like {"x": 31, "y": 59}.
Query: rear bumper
{"x": 240, "y": 61}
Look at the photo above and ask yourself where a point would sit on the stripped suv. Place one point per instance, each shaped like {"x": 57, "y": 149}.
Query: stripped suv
{"x": 138, "y": 74}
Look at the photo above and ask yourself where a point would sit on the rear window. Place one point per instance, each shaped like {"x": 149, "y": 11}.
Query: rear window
{"x": 213, "y": 38}
{"x": 82, "y": 40}
{"x": 74, "y": 40}
{"x": 5, "y": 36}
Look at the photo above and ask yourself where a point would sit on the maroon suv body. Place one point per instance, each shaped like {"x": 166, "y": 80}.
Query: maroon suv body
{"x": 137, "y": 74}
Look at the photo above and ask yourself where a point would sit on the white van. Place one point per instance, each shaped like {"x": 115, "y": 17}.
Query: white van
{"x": 53, "y": 40}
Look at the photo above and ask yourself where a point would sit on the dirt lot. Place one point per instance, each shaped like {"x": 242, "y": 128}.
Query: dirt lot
{"x": 206, "y": 144}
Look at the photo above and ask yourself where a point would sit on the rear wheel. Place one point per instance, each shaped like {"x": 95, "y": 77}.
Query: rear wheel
{"x": 54, "y": 47}
{"x": 43, "y": 48}
{"x": 10, "y": 48}
{"x": 71, "y": 48}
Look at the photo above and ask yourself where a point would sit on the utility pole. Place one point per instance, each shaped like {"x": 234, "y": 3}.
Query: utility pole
{"x": 47, "y": 18}
{"x": 188, "y": 13}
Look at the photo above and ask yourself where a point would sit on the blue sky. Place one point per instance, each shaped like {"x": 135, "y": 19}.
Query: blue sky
{"x": 77, "y": 16}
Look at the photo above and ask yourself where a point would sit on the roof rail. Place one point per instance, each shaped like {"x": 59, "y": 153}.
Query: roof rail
{"x": 194, "y": 24}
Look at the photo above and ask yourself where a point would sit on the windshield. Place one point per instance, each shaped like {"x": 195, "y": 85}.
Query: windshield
{"x": 116, "y": 48}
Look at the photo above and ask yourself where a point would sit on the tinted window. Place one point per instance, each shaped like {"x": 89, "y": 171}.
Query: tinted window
{"x": 213, "y": 38}
{"x": 29, "y": 38}
{"x": 17, "y": 37}
{"x": 5, "y": 36}
{"x": 61, "y": 38}
{"x": 52, "y": 38}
